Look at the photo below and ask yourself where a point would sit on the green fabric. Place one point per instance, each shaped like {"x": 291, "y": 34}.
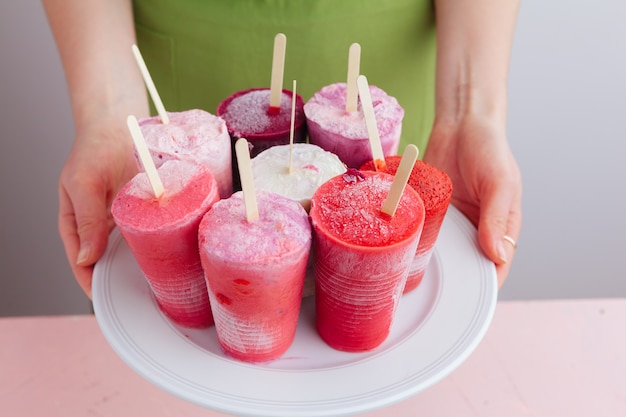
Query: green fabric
{"x": 201, "y": 51}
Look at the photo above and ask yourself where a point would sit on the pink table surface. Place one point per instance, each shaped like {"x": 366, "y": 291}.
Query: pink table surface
{"x": 539, "y": 358}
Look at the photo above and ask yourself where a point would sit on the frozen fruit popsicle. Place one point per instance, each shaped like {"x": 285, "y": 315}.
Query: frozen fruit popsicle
{"x": 192, "y": 134}
{"x": 255, "y": 273}
{"x": 435, "y": 188}
{"x": 247, "y": 115}
{"x": 162, "y": 233}
{"x": 362, "y": 257}
{"x": 344, "y": 133}
{"x": 311, "y": 166}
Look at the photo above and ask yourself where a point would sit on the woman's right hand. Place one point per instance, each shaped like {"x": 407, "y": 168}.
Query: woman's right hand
{"x": 94, "y": 39}
{"x": 100, "y": 163}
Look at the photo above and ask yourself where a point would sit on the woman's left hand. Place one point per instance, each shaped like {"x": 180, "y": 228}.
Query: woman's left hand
{"x": 486, "y": 180}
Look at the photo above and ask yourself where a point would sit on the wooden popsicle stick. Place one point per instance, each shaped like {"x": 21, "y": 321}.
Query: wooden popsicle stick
{"x": 354, "y": 62}
{"x": 156, "y": 99}
{"x": 278, "y": 67}
{"x": 370, "y": 122}
{"x": 247, "y": 181}
{"x": 400, "y": 180}
{"x": 144, "y": 156}
{"x": 293, "y": 123}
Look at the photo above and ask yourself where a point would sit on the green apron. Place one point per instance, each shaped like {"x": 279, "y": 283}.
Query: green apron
{"x": 201, "y": 51}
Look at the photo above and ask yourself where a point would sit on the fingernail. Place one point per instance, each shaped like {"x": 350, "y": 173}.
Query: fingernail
{"x": 83, "y": 254}
{"x": 502, "y": 252}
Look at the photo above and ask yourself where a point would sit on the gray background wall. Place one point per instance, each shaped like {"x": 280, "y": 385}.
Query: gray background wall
{"x": 566, "y": 118}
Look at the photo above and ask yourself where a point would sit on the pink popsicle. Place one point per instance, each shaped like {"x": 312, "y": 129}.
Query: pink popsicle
{"x": 192, "y": 134}
{"x": 362, "y": 257}
{"x": 345, "y": 133}
{"x": 255, "y": 273}
{"x": 163, "y": 236}
{"x": 435, "y": 188}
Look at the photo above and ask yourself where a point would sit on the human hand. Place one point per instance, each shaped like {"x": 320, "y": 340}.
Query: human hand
{"x": 100, "y": 162}
{"x": 487, "y": 182}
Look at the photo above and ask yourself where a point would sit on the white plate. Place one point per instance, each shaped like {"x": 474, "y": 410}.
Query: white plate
{"x": 437, "y": 327}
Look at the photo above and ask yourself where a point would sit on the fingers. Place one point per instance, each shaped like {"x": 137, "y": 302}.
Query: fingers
{"x": 500, "y": 223}
{"x": 84, "y": 229}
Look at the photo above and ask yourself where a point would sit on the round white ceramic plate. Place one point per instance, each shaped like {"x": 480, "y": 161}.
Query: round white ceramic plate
{"x": 437, "y": 327}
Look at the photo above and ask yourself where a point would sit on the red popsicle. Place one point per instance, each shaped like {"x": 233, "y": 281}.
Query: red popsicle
{"x": 362, "y": 257}
{"x": 435, "y": 188}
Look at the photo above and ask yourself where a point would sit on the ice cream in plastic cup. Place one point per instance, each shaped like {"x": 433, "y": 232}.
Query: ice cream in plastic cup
{"x": 162, "y": 234}
{"x": 362, "y": 257}
{"x": 255, "y": 273}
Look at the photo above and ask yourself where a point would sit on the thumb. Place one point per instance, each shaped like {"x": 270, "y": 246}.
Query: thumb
{"x": 499, "y": 226}
{"x": 92, "y": 227}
